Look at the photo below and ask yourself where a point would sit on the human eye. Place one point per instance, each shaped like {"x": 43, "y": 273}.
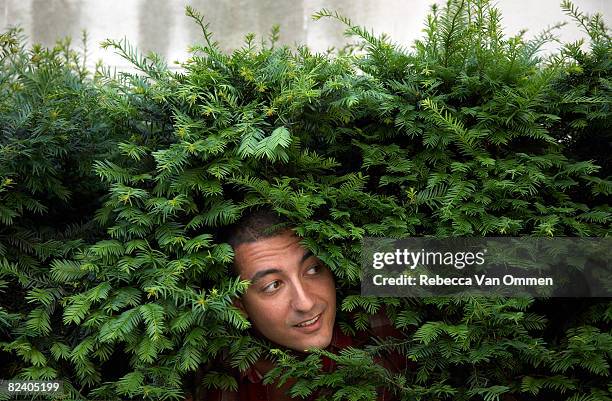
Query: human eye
{"x": 314, "y": 269}
{"x": 271, "y": 287}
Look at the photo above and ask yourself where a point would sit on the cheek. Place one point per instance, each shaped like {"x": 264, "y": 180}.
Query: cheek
{"x": 265, "y": 313}
{"x": 328, "y": 290}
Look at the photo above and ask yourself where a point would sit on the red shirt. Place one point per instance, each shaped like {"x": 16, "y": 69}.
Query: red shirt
{"x": 251, "y": 388}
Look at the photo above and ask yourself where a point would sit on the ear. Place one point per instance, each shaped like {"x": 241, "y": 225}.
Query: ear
{"x": 238, "y": 304}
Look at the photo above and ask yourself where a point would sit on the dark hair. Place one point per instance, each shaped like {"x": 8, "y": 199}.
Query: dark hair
{"x": 253, "y": 226}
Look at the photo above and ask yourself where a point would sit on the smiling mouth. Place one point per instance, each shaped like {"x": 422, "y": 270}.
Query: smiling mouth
{"x": 310, "y": 322}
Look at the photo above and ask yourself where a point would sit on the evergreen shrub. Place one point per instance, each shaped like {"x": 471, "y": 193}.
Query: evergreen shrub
{"x": 51, "y": 132}
{"x": 468, "y": 133}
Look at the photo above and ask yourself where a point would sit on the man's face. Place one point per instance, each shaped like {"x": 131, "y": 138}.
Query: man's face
{"x": 292, "y": 296}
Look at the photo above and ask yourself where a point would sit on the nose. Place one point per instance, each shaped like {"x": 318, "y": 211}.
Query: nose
{"x": 302, "y": 300}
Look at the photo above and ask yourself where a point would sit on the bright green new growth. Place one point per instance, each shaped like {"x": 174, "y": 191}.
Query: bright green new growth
{"x": 470, "y": 133}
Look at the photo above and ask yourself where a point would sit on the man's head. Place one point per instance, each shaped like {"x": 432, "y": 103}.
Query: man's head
{"x": 292, "y": 296}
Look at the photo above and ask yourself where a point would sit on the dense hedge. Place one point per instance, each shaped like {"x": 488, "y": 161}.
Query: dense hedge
{"x": 114, "y": 188}
{"x": 52, "y": 131}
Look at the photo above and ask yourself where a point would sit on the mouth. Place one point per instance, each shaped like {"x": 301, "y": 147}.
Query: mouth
{"x": 310, "y": 324}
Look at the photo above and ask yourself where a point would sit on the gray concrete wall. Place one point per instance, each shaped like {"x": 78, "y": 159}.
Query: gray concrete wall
{"x": 161, "y": 26}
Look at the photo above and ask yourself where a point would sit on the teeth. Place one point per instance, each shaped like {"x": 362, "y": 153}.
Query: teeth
{"x": 309, "y": 322}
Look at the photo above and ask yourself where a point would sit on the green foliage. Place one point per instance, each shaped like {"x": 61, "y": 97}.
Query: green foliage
{"x": 469, "y": 133}
{"x": 584, "y": 92}
{"x": 52, "y": 130}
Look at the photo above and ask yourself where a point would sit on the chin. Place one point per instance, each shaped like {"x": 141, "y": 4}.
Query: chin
{"x": 320, "y": 342}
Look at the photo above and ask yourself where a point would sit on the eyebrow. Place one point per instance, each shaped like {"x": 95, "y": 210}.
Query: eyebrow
{"x": 307, "y": 254}
{"x": 262, "y": 273}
